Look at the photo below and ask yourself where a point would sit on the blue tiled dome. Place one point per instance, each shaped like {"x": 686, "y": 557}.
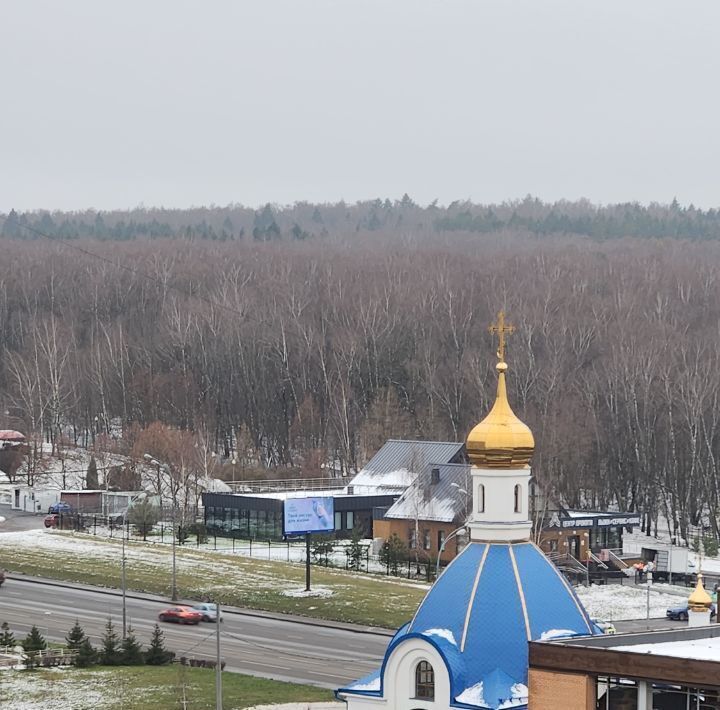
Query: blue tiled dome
{"x": 481, "y": 613}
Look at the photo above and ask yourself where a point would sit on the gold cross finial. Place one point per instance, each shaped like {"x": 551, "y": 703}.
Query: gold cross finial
{"x": 501, "y": 329}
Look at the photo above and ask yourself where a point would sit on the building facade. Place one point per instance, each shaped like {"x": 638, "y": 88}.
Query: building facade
{"x": 656, "y": 670}
{"x": 260, "y": 517}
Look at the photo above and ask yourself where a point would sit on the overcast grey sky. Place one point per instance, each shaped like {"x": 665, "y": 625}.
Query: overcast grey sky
{"x": 175, "y": 103}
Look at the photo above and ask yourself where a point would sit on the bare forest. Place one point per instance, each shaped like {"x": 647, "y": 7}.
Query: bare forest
{"x": 306, "y": 336}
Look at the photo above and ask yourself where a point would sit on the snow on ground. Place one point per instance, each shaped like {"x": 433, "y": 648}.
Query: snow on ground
{"x": 614, "y": 602}
{"x": 610, "y": 602}
{"x": 21, "y": 690}
{"x": 321, "y": 592}
{"x": 211, "y": 571}
{"x": 300, "y": 706}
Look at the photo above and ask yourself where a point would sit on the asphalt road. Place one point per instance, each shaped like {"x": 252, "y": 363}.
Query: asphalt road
{"x": 272, "y": 648}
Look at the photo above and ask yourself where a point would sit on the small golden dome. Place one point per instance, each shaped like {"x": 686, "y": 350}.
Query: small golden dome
{"x": 500, "y": 440}
{"x": 699, "y": 600}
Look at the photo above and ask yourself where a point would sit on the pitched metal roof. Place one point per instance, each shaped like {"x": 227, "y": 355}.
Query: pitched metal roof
{"x": 443, "y": 502}
{"x": 398, "y": 462}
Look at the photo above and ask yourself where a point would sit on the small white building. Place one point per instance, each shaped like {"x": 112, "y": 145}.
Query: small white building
{"x": 32, "y": 499}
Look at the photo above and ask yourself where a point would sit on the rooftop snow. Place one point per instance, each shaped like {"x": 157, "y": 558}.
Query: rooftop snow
{"x": 442, "y": 502}
{"x": 398, "y": 462}
{"x": 707, "y": 649}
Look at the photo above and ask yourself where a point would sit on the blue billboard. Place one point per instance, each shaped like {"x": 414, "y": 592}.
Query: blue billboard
{"x": 308, "y": 515}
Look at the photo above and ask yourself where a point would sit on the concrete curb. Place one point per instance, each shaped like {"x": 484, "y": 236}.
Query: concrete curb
{"x": 241, "y": 611}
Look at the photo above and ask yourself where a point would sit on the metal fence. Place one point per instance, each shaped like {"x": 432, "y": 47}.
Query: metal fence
{"x": 324, "y": 553}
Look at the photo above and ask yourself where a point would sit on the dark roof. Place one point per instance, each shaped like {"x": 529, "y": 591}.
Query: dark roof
{"x": 398, "y": 462}
{"x": 443, "y": 502}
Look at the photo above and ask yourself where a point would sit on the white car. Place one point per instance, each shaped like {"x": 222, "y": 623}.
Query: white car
{"x": 607, "y": 626}
{"x": 208, "y": 611}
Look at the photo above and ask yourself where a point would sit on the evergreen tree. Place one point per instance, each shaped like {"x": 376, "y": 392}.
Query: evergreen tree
{"x": 75, "y": 637}
{"x": 86, "y": 654}
{"x": 91, "y": 478}
{"x": 110, "y": 651}
{"x": 144, "y": 516}
{"x": 11, "y": 225}
{"x": 6, "y": 637}
{"x": 130, "y": 650}
{"x": 355, "y": 549}
{"x": 392, "y": 552}
{"x": 33, "y": 643}
{"x": 157, "y": 654}
{"x": 34, "y": 640}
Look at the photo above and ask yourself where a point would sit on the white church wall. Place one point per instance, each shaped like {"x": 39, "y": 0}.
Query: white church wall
{"x": 401, "y": 667}
{"x": 494, "y": 516}
{"x": 399, "y": 690}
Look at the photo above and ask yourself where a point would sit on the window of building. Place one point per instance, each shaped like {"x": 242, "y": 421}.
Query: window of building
{"x": 481, "y": 498}
{"x": 349, "y": 520}
{"x": 553, "y": 545}
{"x": 427, "y": 544}
{"x": 518, "y": 502}
{"x": 441, "y": 539}
{"x": 338, "y": 521}
{"x": 424, "y": 681}
{"x": 412, "y": 539}
{"x": 617, "y": 694}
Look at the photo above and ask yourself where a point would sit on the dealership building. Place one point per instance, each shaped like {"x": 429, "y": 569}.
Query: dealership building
{"x": 677, "y": 669}
{"x": 260, "y": 516}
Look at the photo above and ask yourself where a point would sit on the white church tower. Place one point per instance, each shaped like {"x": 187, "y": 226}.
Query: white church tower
{"x": 500, "y": 448}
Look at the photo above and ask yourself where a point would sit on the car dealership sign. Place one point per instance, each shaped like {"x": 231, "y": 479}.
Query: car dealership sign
{"x": 595, "y": 521}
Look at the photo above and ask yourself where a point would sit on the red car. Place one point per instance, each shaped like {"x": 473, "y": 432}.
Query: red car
{"x": 51, "y": 521}
{"x": 181, "y": 615}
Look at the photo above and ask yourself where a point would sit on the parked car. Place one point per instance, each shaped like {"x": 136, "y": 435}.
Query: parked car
{"x": 208, "y": 611}
{"x": 51, "y": 521}
{"x": 60, "y": 507}
{"x": 680, "y": 612}
{"x": 181, "y": 615}
{"x": 607, "y": 627}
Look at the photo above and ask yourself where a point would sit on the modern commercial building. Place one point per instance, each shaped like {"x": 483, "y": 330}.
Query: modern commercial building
{"x": 655, "y": 670}
{"x": 260, "y": 516}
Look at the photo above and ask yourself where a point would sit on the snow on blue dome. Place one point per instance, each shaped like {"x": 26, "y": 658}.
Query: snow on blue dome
{"x": 480, "y": 614}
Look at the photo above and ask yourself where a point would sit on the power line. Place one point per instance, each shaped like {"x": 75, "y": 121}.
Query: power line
{"x": 129, "y": 269}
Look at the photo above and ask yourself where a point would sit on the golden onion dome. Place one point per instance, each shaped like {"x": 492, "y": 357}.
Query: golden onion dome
{"x": 699, "y": 600}
{"x": 500, "y": 440}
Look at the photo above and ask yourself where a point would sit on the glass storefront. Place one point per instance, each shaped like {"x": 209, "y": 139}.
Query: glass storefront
{"x": 242, "y": 523}
{"x": 624, "y": 694}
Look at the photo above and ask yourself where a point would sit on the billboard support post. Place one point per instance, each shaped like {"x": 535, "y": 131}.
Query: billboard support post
{"x": 307, "y": 562}
{"x": 305, "y": 516}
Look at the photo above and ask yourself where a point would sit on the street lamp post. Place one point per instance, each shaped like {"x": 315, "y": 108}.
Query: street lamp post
{"x": 124, "y": 607}
{"x": 218, "y": 664}
{"x": 155, "y": 462}
{"x": 442, "y": 547}
{"x": 174, "y": 578}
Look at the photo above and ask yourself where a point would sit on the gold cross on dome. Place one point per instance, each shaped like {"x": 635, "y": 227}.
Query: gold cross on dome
{"x": 501, "y": 329}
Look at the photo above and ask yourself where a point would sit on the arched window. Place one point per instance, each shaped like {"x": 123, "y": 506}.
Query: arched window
{"x": 480, "y": 498}
{"x": 424, "y": 681}
{"x": 518, "y": 502}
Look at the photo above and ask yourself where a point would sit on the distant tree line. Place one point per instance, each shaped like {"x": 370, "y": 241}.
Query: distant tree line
{"x": 305, "y": 221}
{"x": 313, "y": 352}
